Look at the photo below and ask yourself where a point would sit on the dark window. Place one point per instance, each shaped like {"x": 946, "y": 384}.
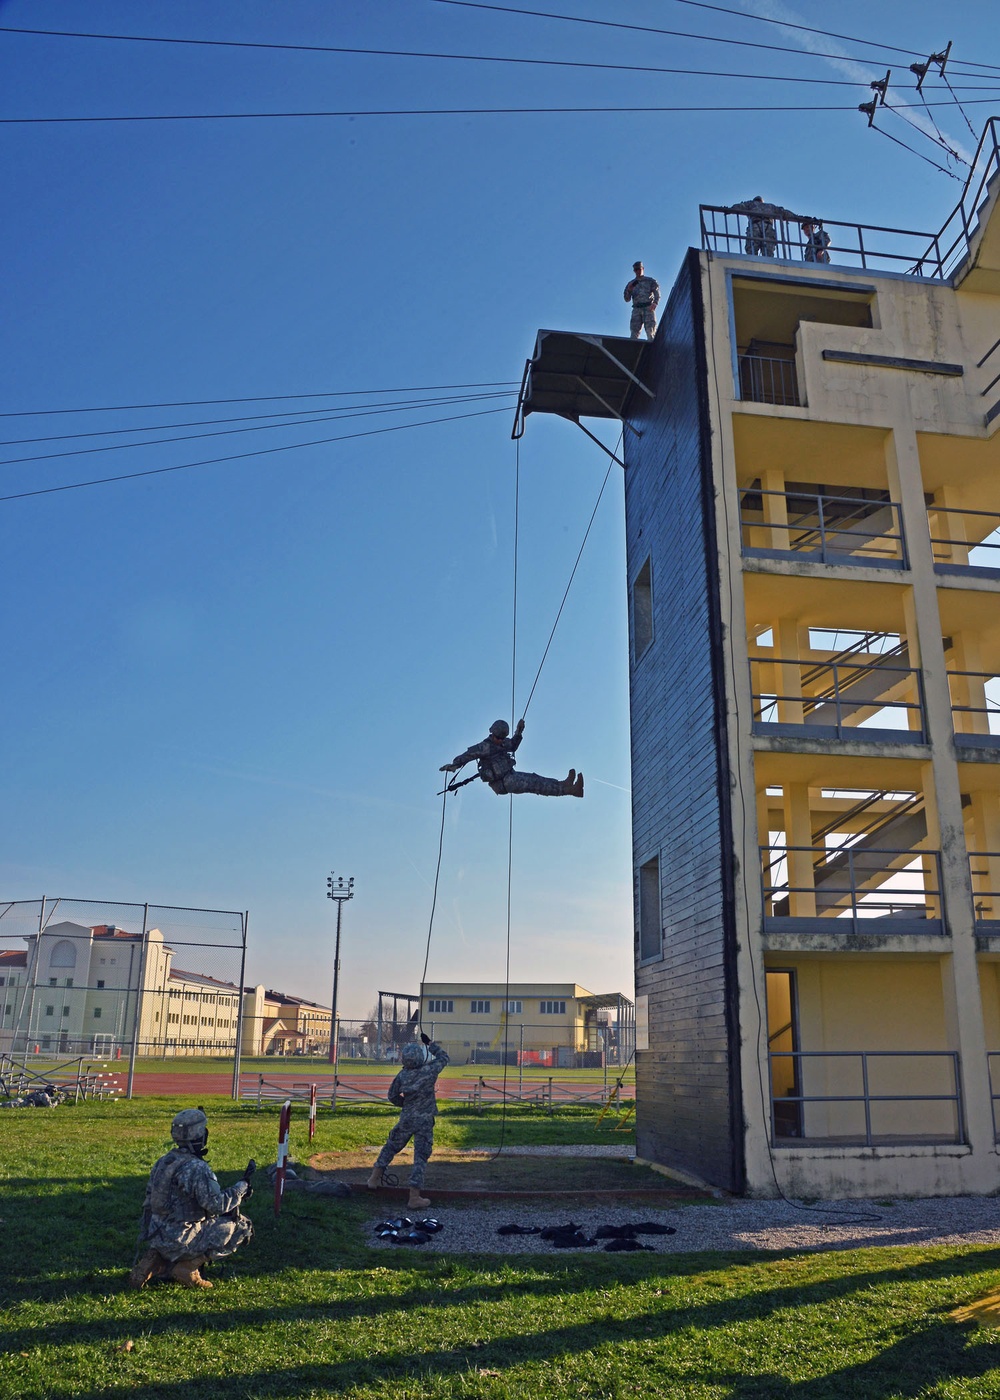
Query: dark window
{"x": 479, "y": 1008}
{"x": 642, "y": 611}
{"x": 650, "y": 924}
{"x": 97, "y": 1013}
{"x": 100, "y": 981}
{"x": 50, "y": 1010}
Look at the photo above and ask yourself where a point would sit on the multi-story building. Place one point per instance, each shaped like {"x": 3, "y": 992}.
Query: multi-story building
{"x": 812, "y": 496}
{"x": 557, "y": 1024}
{"x": 77, "y": 989}
{"x": 275, "y": 1023}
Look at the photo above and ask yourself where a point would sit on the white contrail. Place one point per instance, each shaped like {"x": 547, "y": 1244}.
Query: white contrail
{"x": 831, "y": 50}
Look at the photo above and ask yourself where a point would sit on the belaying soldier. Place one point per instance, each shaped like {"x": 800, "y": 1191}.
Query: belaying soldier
{"x": 413, "y": 1090}
{"x": 495, "y": 760}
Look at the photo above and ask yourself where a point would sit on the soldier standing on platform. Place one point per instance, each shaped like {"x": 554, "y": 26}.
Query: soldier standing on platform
{"x": 644, "y": 294}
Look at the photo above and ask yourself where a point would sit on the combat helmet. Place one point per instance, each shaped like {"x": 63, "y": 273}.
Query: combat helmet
{"x": 413, "y": 1055}
{"x": 500, "y": 728}
{"x": 190, "y": 1128}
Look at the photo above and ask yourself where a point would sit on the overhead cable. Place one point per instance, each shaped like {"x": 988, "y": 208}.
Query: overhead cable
{"x": 458, "y": 57}
{"x": 446, "y": 112}
{"x": 671, "y": 33}
{"x": 242, "y": 456}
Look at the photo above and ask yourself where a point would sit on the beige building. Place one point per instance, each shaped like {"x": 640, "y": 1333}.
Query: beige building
{"x": 812, "y": 483}
{"x": 77, "y": 988}
{"x": 277, "y": 1024}
{"x": 554, "y": 1024}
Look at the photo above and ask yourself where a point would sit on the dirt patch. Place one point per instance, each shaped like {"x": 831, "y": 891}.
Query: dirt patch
{"x": 451, "y": 1170}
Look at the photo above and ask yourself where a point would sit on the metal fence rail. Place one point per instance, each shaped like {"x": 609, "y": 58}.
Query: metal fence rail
{"x": 964, "y": 539}
{"x": 787, "y": 1109}
{"x": 831, "y": 529}
{"x": 838, "y": 699}
{"x": 840, "y": 890}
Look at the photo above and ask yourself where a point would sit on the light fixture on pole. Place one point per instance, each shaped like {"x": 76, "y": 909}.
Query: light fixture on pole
{"x": 339, "y": 889}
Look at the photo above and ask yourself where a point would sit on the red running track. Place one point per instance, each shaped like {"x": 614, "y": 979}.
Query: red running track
{"x": 177, "y": 1082}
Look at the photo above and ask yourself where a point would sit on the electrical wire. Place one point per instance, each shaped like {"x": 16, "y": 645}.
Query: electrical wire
{"x": 345, "y": 414}
{"x": 679, "y": 33}
{"x": 260, "y": 398}
{"x": 950, "y": 173}
{"x": 242, "y": 456}
{"x": 944, "y": 79}
{"x": 456, "y": 57}
{"x": 446, "y": 112}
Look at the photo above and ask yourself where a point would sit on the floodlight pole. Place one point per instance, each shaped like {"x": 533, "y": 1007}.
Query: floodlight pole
{"x": 339, "y": 889}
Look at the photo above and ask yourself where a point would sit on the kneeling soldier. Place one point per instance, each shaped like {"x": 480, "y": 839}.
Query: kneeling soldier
{"x": 187, "y": 1218}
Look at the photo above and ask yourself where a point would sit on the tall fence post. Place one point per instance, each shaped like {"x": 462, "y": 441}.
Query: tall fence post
{"x": 34, "y": 976}
{"x": 140, "y": 990}
{"x": 238, "y": 1051}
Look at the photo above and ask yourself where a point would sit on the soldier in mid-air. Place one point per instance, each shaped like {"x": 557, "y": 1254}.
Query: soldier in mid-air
{"x": 413, "y": 1091}
{"x": 187, "y": 1218}
{"x": 495, "y": 758}
{"x": 644, "y": 294}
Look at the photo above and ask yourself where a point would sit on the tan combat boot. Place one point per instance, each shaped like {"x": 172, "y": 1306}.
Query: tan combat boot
{"x": 416, "y": 1201}
{"x": 151, "y": 1265}
{"x": 375, "y": 1180}
{"x": 185, "y": 1271}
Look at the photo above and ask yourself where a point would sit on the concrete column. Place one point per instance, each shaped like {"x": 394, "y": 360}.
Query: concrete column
{"x": 775, "y": 509}
{"x": 788, "y": 672}
{"x": 963, "y": 1005}
{"x": 798, "y": 838}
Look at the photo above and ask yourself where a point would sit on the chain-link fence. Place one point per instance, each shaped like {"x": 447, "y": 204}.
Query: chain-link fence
{"x": 120, "y": 983}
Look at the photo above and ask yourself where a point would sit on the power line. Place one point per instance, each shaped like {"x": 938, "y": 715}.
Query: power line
{"x": 339, "y": 417}
{"x": 459, "y": 57}
{"x": 241, "y": 456}
{"x": 451, "y": 112}
{"x": 289, "y": 423}
{"x": 806, "y": 28}
{"x": 259, "y": 398}
{"x": 675, "y": 33}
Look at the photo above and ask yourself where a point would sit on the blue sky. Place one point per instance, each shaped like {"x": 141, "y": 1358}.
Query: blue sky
{"x": 220, "y": 683}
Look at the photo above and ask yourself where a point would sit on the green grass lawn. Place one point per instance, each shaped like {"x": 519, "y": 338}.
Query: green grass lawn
{"x": 307, "y": 1310}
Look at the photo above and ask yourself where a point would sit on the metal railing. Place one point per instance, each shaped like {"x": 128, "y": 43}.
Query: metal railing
{"x": 851, "y": 245}
{"x": 768, "y": 379}
{"x": 975, "y": 712}
{"x": 984, "y": 871}
{"x": 828, "y": 528}
{"x": 849, "y": 889}
{"x": 964, "y": 539}
{"x": 838, "y": 699}
{"x": 871, "y": 1125}
{"x": 932, "y": 255}
{"x": 992, "y": 1056}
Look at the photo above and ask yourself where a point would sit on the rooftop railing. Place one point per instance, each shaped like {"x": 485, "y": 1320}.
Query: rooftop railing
{"x": 823, "y": 528}
{"x": 869, "y": 246}
{"x": 975, "y": 707}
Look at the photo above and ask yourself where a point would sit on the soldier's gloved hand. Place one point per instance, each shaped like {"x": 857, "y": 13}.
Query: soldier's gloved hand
{"x": 520, "y": 727}
{"x": 448, "y": 768}
{"x": 425, "y": 1038}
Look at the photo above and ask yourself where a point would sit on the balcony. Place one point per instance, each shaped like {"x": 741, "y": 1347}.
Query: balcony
{"x": 965, "y": 541}
{"x": 818, "y": 527}
{"x": 866, "y": 1098}
{"x": 769, "y": 378}
{"x": 857, "y": 888}
{"x": 878, "y": 701}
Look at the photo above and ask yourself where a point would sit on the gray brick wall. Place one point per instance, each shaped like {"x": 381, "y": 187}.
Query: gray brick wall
{"x": 688, "y": 1114}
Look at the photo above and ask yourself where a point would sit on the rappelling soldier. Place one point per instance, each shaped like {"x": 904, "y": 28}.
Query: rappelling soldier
{"x": 187, "y": 1218}
{"x": 412, "y": 1090}
{"x": 495, "y": 760}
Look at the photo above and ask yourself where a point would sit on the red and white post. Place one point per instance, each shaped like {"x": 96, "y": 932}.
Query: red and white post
{"x": 312, "y": 1111}
{"x": 279, "y": 1178}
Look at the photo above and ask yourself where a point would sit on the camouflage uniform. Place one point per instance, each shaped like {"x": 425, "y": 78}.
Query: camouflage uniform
{"x": 644, "y": 294}
{"x": 413, "y": 1091}
{"x": 187, "y": 1215}
{"x": 762, "y": 236}
{"x": 495, "y": 761}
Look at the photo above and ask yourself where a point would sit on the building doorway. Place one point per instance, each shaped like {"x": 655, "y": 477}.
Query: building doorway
{"x": 782, "y": 1047}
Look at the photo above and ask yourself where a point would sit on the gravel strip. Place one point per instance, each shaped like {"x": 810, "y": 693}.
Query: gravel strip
{"x": 733, "y": 1225}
